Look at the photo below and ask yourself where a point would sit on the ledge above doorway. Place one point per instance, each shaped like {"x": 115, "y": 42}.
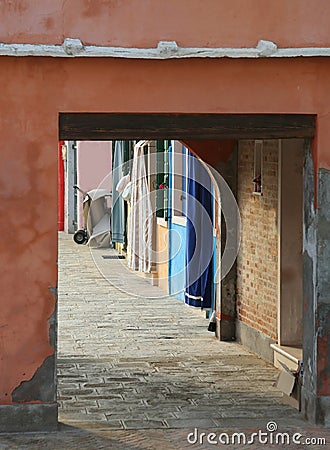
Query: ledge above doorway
{"x": 111, "y": 126}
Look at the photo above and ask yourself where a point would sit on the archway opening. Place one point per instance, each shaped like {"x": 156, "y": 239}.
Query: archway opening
{"x": 195, "y": 129}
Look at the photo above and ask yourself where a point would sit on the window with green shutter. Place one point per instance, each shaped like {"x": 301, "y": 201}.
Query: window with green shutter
{"x": 162, "y": 178}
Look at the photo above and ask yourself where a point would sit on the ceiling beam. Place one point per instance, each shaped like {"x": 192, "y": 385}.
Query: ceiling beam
{"x": 120, "y": 126}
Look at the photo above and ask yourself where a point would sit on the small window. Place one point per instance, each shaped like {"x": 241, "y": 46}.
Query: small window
{"x": 178, "y": 178}
{"x": 179, "y": 182}
{"x": 185, "y": 157}
{"x": 162, "y": 171}
{"x": 257, "y": 176}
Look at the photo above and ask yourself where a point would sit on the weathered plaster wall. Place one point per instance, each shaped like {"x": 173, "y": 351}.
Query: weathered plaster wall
{"x": 323, "y": 253}
{"x": 94, "y": 164}
{"x": 316, "y": 323}
{"x": 36, "y": 90}
{"x": 28, "y": 251}
{"x": 226, "y": 313}
{"x": 323, "y": 298}
{"x": 231, "y": 23}
{"x": 309, "y": 290}
{"x": 234, "y": 23}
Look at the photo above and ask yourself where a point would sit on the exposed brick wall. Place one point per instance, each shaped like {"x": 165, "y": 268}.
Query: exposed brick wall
{"x": 257, "y": 266}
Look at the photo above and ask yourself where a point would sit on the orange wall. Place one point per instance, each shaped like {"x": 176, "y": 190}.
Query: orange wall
{"x": 211, "y": 151}
{"x": 223, "y": 86}
{"x": 35, "y": 90}
{"x": 142, "y": 23}
{"x": 162, "y": 264}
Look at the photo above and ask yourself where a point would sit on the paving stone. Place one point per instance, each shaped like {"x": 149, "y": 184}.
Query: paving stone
{"x": 75, "y": 404}
{"x": 191, "y": 422}
{"x": 140, "y": 372}
{"x": 77, "y": 412}
{"x": 143, "y": 424}
{"x": 128, "y": 416}
{"x": 65, "y": 398}
{"x": 120, "y": 411}
{"x": 198, "y": 413}
{"x": 118, "y": 403}
{"x": 78, "y": 391}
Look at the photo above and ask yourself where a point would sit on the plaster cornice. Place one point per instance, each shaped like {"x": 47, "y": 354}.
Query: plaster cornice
{"x": 165, "y": 50}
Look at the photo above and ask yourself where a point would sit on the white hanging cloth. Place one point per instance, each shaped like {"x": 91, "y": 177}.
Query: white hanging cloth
{"x": 141, "y": 215}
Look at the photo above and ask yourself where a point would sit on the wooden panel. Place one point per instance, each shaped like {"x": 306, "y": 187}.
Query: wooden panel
{"x": 109, "y": 126}
{"x": 162, "y": 252}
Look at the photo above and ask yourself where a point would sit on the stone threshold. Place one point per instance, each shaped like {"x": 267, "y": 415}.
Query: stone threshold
{"x": 289, "y": 355}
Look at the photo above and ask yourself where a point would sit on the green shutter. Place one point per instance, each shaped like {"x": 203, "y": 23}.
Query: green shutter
{"x": 162, "y": 178}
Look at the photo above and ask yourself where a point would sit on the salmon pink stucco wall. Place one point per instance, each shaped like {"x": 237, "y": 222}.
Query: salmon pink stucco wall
{"x": 94, "y": 165}
{"x": 192, "y": 23}
{"x": 38, "y": 89}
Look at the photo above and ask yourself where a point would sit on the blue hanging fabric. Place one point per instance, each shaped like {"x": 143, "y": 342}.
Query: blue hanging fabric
{"x": 199, "y": 246}
{"x": 118, "y": 213}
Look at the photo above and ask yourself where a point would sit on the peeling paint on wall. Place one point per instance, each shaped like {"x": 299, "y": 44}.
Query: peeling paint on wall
{"x": 309, "y": 289}
{"x": 39, "y": 388}
{"x": 323, "y": 285}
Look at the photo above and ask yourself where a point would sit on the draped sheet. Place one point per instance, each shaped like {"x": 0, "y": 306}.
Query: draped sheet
{"x": 141, "y": 215}
{"x": 199, "y": 247}
{"x": 118, "y": 213}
